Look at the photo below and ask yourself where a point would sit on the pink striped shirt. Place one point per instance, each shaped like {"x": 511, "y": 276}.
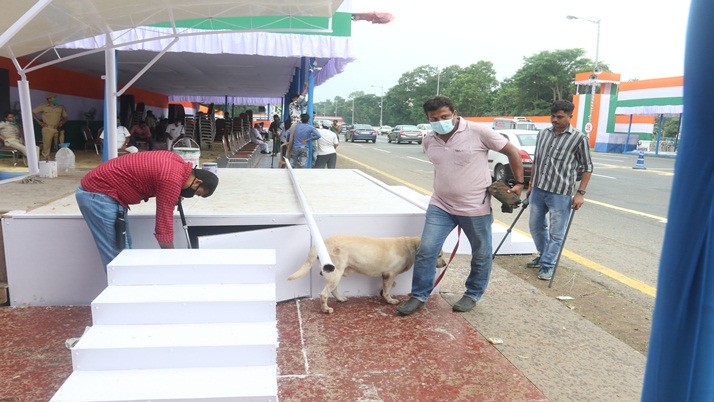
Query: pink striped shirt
{"x": 461, "y": 175}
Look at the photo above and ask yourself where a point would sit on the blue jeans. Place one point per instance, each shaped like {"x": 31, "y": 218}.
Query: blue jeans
{"x": 299, "y": 157}
{"x": 548, "y": 232}
{"x": 437, "y": 227}
{"x": 100, "y": 212}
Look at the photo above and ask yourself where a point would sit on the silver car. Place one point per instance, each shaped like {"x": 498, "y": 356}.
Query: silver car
{"x": 404, "y": 133}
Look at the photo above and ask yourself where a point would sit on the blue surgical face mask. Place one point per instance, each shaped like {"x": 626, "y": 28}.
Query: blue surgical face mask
{"x": 443, "y": 126}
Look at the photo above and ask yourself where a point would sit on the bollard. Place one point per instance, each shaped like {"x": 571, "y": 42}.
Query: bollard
{"x": 640, "y": 164}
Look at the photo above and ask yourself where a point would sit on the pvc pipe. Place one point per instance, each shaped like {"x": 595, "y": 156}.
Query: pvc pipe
{"x": 317, "y": 240}
{"x": 23, "y": 89}
{"x": 110, "y": 104}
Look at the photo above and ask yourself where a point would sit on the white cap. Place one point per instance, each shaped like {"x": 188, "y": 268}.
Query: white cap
{"x": 132, "y": 149}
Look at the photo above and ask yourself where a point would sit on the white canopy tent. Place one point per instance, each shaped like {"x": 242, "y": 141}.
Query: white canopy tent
{"x": 84, "y": 35}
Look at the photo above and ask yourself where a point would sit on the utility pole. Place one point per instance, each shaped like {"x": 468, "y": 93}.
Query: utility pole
{"x": 381, "y": 103}
{"x": 438, "y": 78}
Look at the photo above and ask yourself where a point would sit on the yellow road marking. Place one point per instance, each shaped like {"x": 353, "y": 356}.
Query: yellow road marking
{"x": 611, "y": 273}
{"x": 385, "y": 174}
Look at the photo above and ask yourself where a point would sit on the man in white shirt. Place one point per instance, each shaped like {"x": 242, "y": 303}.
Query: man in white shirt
{"x": 123, "y": 137}
{"x": 257, "y": 138}
{"x": 173, "y": 132}
{"x": 326, "y": 149}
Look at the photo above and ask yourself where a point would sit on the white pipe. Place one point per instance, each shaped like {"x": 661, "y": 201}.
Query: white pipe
{"x": 146, "y": 67}
{"x": 28, "y": 128}
{"x": 110, "y": 101}
{"x": 317, "y": 240}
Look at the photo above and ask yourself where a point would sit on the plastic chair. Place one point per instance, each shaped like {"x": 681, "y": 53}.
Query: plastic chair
{"x": 89, "y": 140}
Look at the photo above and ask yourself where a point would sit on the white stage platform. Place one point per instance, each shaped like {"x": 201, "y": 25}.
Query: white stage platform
{"x": 251, "y": 209}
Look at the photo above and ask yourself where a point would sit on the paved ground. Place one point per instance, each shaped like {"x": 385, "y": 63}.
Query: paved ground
{"x": 563, "y": 355}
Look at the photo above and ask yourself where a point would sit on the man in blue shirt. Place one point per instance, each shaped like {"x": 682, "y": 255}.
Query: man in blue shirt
{"x": 302, "y": 135}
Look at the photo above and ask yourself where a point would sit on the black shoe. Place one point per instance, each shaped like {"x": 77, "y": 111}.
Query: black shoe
{"x": 464, "y": 304}
{"x": 410, "y": 306}
{"x": 263, "y": 152}
{"x": 534, "y": 263}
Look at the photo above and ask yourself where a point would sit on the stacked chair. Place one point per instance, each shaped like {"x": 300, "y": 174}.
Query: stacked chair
{"x": 206, "y": 129}
{"x": 239, "y": 151}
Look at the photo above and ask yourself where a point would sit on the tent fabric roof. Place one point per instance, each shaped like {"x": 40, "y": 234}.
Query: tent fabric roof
{"x": 250, "y": 67}
{"x": 204, "y": 66}
{"x": 61, "y": 21}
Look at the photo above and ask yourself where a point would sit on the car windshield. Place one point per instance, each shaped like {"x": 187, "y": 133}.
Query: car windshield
{"x": 527, "y": 140}
{"x": 363, "y": 127}
{"x": 410, "y": 128}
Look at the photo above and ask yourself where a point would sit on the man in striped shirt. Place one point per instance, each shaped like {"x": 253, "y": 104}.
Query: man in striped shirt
{"x": 561, "y": 152}
{"x": 105, "y": 193}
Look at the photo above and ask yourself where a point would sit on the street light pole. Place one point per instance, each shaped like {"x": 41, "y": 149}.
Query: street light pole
{"x": 438, "y": 78}
{"x": 596, "y": 69}
{"x": 597, "y": 43}
{"x": 381, "y": 103}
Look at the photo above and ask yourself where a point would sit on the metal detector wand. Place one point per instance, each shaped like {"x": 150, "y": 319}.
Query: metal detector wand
{"x": 183, "y": 222}
{"x": 508, "y": 231}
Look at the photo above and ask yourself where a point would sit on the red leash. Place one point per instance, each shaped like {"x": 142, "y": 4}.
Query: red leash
{"x": 453, "y": 254}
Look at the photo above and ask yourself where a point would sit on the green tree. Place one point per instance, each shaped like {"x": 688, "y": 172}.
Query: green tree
{"x": 472, "y": 89}
{"x": 546, "y": 77}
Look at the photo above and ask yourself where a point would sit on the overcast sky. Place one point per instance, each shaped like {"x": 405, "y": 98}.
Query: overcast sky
{"x": 639, "y": 39}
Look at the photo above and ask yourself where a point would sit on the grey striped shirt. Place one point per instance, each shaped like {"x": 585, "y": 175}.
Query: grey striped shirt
{"x": 558, "y": 158}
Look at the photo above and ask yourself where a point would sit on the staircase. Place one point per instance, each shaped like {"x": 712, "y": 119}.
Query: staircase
{"x": 183, "y": 325}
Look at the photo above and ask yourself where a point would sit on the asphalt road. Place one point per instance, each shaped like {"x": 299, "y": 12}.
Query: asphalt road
{"x": 615, "y": 239}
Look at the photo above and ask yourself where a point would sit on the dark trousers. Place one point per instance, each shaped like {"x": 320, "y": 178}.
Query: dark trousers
{"x": 329, "y": 161}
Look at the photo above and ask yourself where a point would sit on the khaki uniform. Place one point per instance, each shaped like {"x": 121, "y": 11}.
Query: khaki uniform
{"x": 12, "y": 138}
{"x": 52, "y": 115}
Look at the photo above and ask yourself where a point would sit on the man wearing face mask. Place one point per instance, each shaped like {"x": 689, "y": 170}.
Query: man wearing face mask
{"x": 105, "y": 193}
{"x": 459, "y": 151}
{"x": 51, "y": 117}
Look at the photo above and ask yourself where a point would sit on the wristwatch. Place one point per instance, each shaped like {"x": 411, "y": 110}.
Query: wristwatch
{"x": 581, "y": 192}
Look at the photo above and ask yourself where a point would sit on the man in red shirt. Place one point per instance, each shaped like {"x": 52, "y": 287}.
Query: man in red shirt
{"x": 105, "y": 193}
{"x": 142, "y": 132}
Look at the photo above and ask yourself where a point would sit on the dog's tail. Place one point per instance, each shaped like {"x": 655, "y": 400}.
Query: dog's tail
{"x": 305, "y": 268}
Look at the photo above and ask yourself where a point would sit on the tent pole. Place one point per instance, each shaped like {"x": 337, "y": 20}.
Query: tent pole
{"x": 627, "y": 141}
{"x": 28, "y": 127}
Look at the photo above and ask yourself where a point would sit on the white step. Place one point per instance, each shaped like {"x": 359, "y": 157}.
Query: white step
{"x": 185, "y": 385}
{"x": 128, "y": 347}
{"x": 184, "y": 304}
{"x": 197, "y": 266}
{"x": 515, "y": 243}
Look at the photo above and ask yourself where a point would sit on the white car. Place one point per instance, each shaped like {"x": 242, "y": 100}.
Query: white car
{"x": 424, "y": 128}
{"x": 525, "y": 141}
{"x": 384, "y": 130}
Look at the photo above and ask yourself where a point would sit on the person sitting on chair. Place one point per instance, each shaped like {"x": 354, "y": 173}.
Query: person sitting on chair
{"x": 257, "y": 138}
{"x": 123, "y": 137}
{"x": 10, "y": 134}
{"x": 141, "y": 131}
{"x": 173, "y": 132}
